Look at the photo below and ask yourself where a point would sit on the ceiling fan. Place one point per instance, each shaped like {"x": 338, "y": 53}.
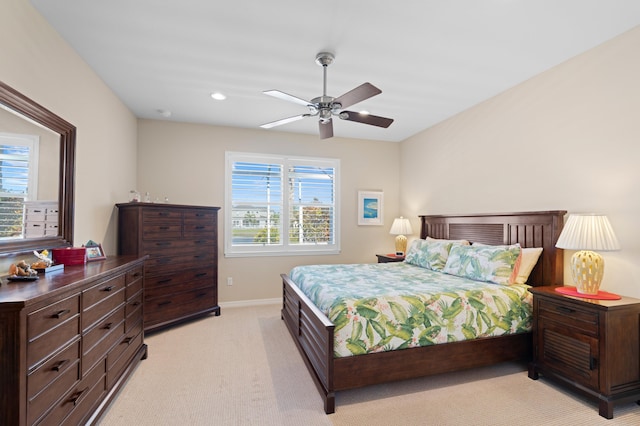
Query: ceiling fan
{"x": 325, "y": 106}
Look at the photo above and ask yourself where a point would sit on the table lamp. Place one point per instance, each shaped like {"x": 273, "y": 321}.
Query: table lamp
{"x": 587, "y": 233}
{"x": 401, "y": 227}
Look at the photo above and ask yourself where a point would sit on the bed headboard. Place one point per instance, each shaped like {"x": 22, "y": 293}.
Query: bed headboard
{"x": 530, "y": 229}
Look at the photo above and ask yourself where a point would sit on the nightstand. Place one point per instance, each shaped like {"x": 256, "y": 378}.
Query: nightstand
{"x": 387, "y": 258}
{"x": 591, "y": 345}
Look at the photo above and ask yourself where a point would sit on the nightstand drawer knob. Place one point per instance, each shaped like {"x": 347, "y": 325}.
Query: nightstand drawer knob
{"x": 564, "y": 310}
{"x": 593, "y": 363}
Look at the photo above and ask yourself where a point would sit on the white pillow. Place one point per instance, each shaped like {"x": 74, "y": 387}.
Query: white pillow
{"x": 463, "y": 242}
{"x": 527, "y": 263}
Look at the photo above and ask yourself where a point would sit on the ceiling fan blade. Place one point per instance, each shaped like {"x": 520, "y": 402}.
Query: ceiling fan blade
{"x": 287, "y": 97}
{"x": 326, "y": 129}
{"x": 359, "y": 94}
{"x": 374, "y": 120}
{"x": 284, "y": 121}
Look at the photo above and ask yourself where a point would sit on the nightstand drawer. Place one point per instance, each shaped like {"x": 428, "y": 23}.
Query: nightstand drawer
{"x": 569, "y": 316}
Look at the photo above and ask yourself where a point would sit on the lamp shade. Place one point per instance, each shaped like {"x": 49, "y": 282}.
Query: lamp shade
{"x": 588, "y": 232}
{"x": 401, "y": 226}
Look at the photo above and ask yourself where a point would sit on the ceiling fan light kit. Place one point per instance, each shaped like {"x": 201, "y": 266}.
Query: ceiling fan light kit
{"x": 325, "y": 107}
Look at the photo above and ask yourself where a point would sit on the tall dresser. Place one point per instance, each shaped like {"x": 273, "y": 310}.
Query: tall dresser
{"x": 68, "y": 341}
{"x": 181, "y": 273}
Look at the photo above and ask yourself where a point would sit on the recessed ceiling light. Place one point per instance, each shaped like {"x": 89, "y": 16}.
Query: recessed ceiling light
{"x": 218, "y": 96}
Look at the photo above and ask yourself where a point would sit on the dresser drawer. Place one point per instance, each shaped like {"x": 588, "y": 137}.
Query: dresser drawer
{"x": 58, "y": 365}
{"x": 133, "y": 288}
{"x": 78, "y": 401}
{"x": 134, "y": 275}
{"x": 133, "y": 310}
{"x": 157, "y": 286}
{"x": 120, "y": 355}
{"x": 161, "y": 231}
{"x": 103, "y": 299}
{"x": 569, "y": 316}
{"x": 51, "y": 316}
{"x": 162, "y": 247}
{"x": 99, "y": 340}
{"x": 41, "y": 348}
{"x": 161, "y": 215}
{"x": 101, "y": 291}
{"x": 175, "y": 306}
{"x": 199, "y": 229}
{"x": 40, "y": 403}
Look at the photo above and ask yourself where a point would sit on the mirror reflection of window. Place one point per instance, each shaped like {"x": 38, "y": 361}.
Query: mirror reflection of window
{"x": 18, "y": 180}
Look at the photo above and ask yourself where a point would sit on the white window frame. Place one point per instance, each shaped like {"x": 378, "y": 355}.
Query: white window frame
{"x": 33, "y": 143}
{"x": 283, "y": 249}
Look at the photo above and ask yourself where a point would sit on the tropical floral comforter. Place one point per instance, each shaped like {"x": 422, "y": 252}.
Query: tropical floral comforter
{"x": 389, "y": 306}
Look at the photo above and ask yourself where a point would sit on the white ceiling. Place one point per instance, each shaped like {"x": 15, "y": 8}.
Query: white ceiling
{"x": 431, "y": 58}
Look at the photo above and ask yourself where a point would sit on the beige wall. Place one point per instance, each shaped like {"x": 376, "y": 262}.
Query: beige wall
{"x": 39, "y": 63}
{"x": 185, "y": 162}
{"x": 567, "y": 139}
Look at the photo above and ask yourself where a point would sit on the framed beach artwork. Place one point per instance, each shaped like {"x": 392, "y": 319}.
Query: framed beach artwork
{"x": 370, "y": 208}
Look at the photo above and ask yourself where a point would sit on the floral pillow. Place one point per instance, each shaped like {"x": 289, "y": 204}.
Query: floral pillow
{"x": 493, "y": 264}
{"x": 429, "y": 254}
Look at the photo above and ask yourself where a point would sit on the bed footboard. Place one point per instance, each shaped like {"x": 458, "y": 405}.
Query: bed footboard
{"x": 313, "y": 334}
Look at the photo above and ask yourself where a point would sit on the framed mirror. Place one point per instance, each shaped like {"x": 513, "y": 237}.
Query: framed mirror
{"x": 53, "y": 163}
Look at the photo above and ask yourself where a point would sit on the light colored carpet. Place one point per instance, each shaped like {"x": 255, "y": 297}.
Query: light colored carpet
{"x": 242, "y": 368}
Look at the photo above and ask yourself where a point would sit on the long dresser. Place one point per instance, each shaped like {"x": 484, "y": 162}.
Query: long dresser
{"x": 69, "y": 341}
{"x": 181, "y": 274}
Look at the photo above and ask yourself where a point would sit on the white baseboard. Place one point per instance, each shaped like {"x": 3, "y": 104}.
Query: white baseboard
{"x": 246, "y": 303}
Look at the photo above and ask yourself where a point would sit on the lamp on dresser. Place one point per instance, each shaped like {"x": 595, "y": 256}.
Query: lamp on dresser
{"x": 587, "y": 233}
{"x": 401, "y": 227}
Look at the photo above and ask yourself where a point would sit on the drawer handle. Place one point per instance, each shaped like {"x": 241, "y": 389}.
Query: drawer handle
{"x": 136, "y": 303}
{"x": 163, "y": 214}
{"x": 201, "y": 295}
{"x": 61, "y": 313}
{"x": 59, "y": 364}
{"x": 163, "y": 244}
{"x": 200, "y": 256}
{"x": 109, "y": 288}
{"x": 201, "y": 274}
{"x": 108, "y": 326}
{"x": 136, "y": 275}
{"x": 163, "y": 228}
{"x": 200, "y": 227}
{"x": 593, "y": 363}
{"x": 127, "y": 340}
{"x": 168, "y": 280}
{"x": 565, "y": 310}
{"x": 165, "y": 303}
{"x": 198, "y": 242}
{"x": 76, "y": 397}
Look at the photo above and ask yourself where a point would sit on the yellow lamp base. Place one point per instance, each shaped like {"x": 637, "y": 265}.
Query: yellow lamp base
{"x": 587, "y": 269}
{"x": 401, "y": 244}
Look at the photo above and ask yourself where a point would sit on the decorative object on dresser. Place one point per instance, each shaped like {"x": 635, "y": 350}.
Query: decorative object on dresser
{"x": 69, "y": 342}
{"x": 388, "y": 258}
{"x": 587, "y": 232}
{"x": 181, "y": 274}
{"x": 591, "y": 345}
{"x": 401, "y": 227}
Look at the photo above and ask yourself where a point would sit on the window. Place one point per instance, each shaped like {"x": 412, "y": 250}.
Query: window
{"x": 18, "y": 180}
{"x": 281, "y": 205}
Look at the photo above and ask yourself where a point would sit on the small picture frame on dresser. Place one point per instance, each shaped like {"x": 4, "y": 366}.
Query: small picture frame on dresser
{"x": 94, "y": 252}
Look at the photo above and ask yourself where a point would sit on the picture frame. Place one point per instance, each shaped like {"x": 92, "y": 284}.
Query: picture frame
{"x": 370, "y": 208}
{"x": 94, "y": 252}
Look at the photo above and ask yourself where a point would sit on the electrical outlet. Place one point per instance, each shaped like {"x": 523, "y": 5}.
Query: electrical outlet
{"x": 229, "y": 281}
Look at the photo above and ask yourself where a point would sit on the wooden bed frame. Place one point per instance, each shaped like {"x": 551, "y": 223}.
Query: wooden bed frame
{"x": 313, "y": 332}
